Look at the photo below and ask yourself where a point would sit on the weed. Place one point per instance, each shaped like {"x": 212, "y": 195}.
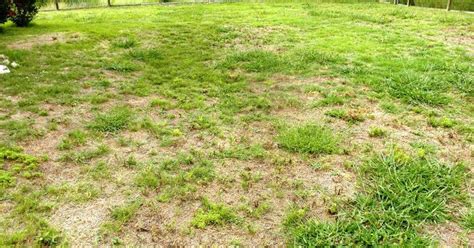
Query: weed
{"x": 443, "y": 122}
{"x": 243, "y": 152}
{"x": 213, "y": 214}
{"x": 253, "y": 61}
{"x": 256, "y": 209}
{"x": 112, "y": 121}
{"x": 124, "y": 43}
{"x": 377, "y": 132}
{"x": 85, "y": 155}
{"x": 99, "y": 171}
{"x": 177, "y": 177}
{"x": 78, "y": 193}
{"x": 119, "y": 216}
{"x": 201, "y": 122}
{"x": 162, "y": 103}
{"x": 330, "y": 100}
{"x": 468, "y": 220}
{"x": 123, "y": 66}
{"x": 389, "y": 107}
{"x": 23, "y": 165}
{"x": 249, "y": 178}
{"x": 74, "y": 138}
{"x": 352, "y": 116}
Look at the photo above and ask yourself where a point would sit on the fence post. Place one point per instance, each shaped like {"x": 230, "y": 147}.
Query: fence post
{"x": 408, "y": 3}
{"x": 56, "y": 3}
{"x": 449, "y": 5}
{"x": 108, "y": 3}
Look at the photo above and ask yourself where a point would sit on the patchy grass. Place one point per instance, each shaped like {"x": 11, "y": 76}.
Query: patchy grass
{"x": 118, "y": 122}
{"x": 119, "y": 216}
{"x": 400, "y": 194}
{"x": 468, "y": 220}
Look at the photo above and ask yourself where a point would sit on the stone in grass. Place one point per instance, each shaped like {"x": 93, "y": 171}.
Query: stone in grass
{"x": 4, "y": 69}
{"x": 14, "y": 64}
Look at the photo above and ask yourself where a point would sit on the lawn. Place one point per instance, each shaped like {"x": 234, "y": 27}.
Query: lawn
{"x": 239, "y": 124}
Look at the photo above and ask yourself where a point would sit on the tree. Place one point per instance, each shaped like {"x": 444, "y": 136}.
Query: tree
{"x": 23, "y": 12}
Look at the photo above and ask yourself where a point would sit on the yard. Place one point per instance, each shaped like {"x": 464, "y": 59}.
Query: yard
{"x": 238, "y": 124}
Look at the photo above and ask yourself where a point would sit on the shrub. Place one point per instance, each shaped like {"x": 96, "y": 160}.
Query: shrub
{"x": 4, "y": 9}
{"x": 23, "y": 11}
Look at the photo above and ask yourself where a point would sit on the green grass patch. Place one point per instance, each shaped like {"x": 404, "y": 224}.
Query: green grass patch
{"x": 119, "y": 216}
{"x": 309, "y": 138}
{"x": 113, "y": 121}
{"x": 19, "y": 130}
{"x": 74, "y": 138}
{"x": 377, "y": 132}
{"x": 400, "y": 193}
{"x": 213, "y": 214}
{"x": 351, "y": 116}
{"x": 443, "y": 122}
{"x": 468, "y": 220}
{"x": 178, "y": 177}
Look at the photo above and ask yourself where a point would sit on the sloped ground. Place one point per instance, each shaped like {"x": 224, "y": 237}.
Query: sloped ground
{"x": 238, "y": 124}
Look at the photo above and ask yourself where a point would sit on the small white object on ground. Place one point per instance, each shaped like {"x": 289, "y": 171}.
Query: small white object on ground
{"x": 14, "y": 64}
{"x": 6, "y": 62}
{"x": 2, "y": 57}
{"x": 4, "y": 69}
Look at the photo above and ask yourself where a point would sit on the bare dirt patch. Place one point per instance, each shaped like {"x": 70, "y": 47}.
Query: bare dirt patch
{"x": 450, "y": 235}
{"x": 251, "y": 38}
{"x": 81, "y": 223}
{"x": 46, "y": 39}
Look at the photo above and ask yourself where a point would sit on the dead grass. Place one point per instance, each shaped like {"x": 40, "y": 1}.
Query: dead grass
{"x": 45, "y": 39}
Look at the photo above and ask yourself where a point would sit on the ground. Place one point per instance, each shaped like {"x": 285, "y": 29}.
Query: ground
{"x": 238, "y": 124}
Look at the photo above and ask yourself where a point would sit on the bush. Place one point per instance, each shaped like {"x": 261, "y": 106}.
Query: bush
{"x": 4, "y": 9}
{"x": 23, "y": 12}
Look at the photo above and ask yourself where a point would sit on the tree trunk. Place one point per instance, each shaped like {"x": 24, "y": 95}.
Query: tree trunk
{"x": 450, "y": 2}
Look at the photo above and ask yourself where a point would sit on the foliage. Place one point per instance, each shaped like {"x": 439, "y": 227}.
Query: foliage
{"x": 4, "y": 10}
{"x": 24, "y": 165}
{"x": 23, "y": 12}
